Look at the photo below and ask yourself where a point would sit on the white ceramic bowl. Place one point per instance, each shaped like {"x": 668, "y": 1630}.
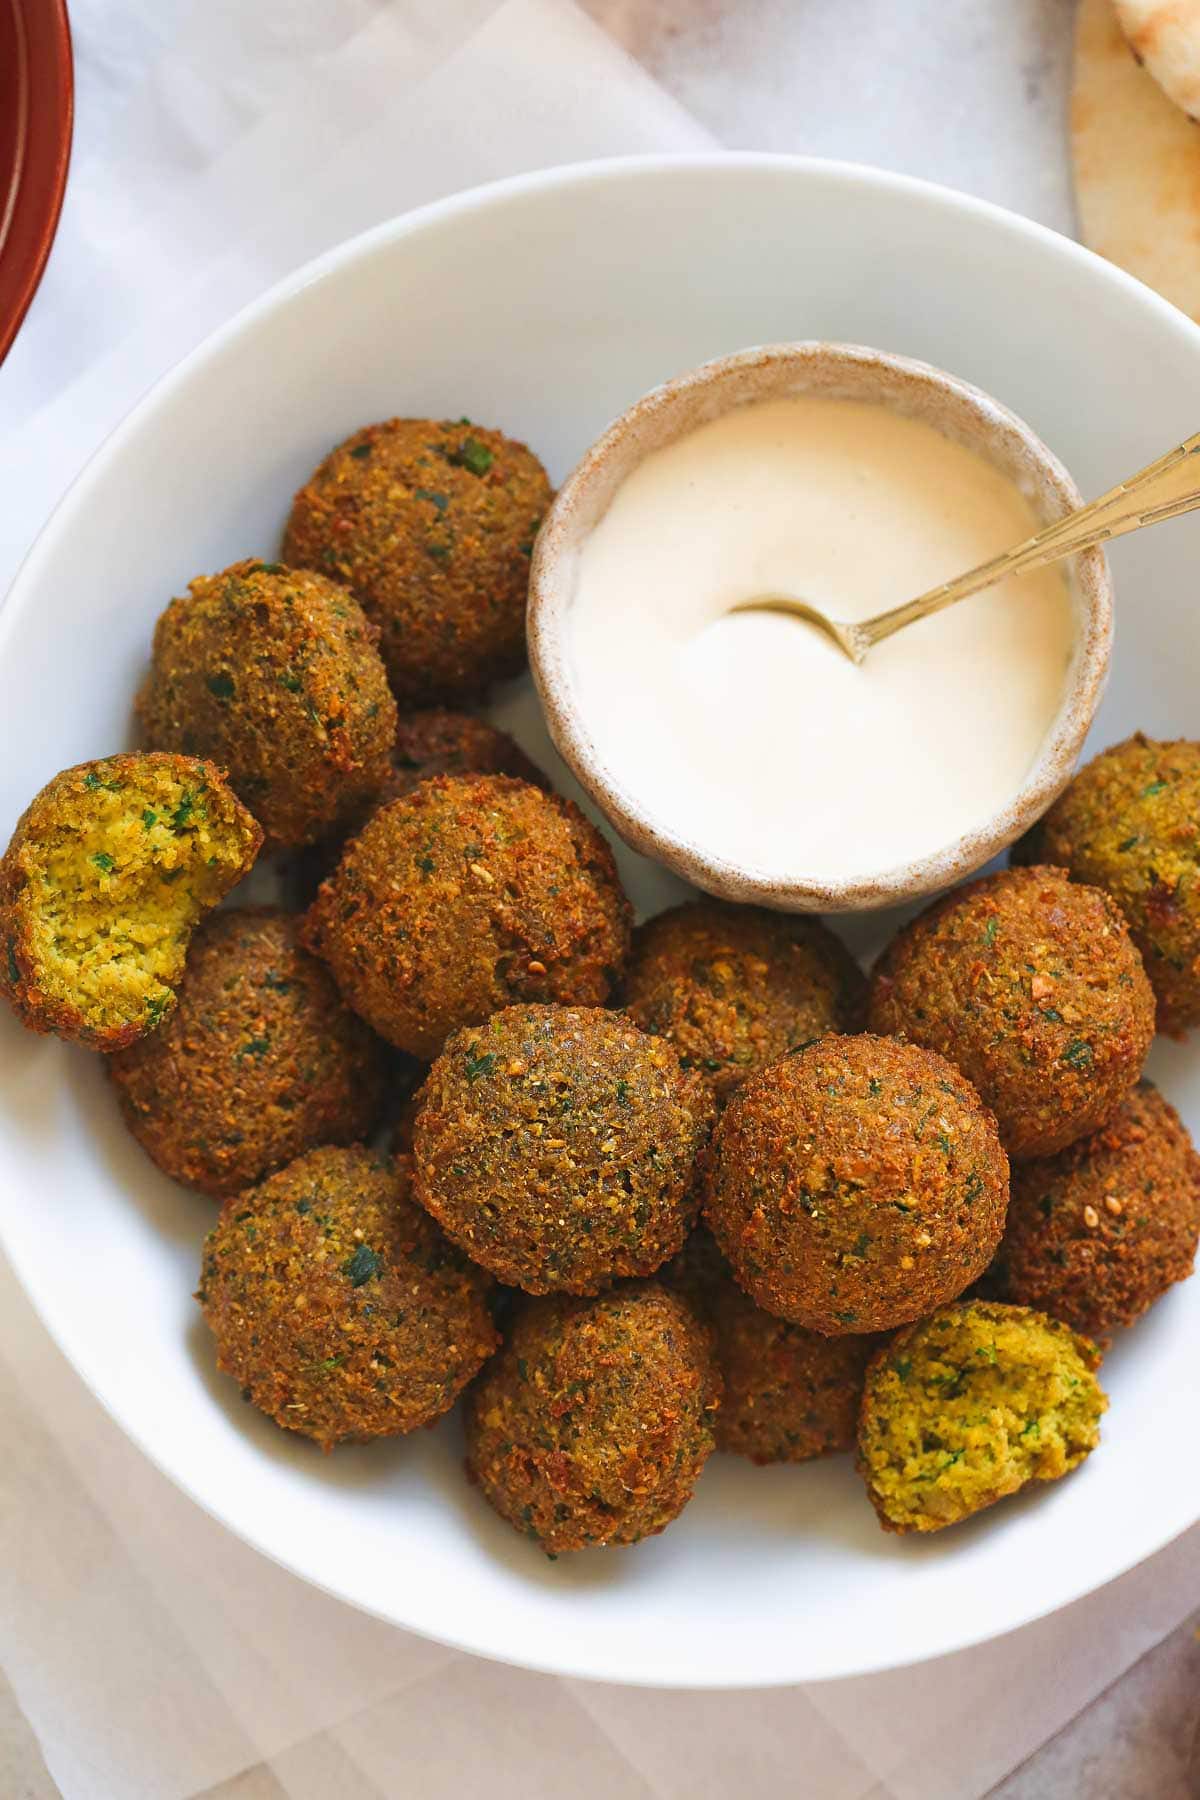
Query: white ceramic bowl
{"x": 961, "y": 412}
{"x": 548, "y": 304}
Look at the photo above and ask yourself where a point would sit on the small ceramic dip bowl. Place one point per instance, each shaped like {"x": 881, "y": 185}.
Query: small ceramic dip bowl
{"x": 958, "y": 412}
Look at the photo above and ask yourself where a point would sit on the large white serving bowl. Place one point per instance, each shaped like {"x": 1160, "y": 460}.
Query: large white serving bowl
{"x": 546, "y": 305}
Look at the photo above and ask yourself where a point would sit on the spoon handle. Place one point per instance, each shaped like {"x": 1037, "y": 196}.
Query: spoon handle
{"x": 1162, "y": 490}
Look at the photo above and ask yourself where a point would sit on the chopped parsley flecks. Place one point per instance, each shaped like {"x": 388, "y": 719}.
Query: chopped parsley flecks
{"x": 472, "y": 455}
{"x": 363, "y": 1266}
{"x": 480, "y": 1065}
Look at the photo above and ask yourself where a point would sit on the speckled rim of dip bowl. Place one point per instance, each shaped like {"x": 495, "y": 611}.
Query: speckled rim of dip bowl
{"x": 838, "y": 371}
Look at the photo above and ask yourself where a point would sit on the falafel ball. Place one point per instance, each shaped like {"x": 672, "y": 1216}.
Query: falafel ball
{"x": 593, "y": 1423}
{"x": 431, "y": 523}
{"x": 1031, "y": 984}
{"x": 556, "y": 1145}
{"x": 438, "y": 742}
{"x": 337, "y": 1305}
{"x": 1130, "y": 823}
{"x": 427, "y": 743}
{"x": 790, "y": 1394}
{"x": 108, "y": 871}
{"x": 260, "y": 1061}
{"x": 970, "y": 1405}
{"x": 856, "y": 1185}
{"x": 1098, "y": 1233}
{"x": 473, "y": 892}
{"x": 274, "y": 673}
{"x": 734, "y": 987}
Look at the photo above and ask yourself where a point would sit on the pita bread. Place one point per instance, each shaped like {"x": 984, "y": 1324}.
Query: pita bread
{"x": 1164, "y": 35}
{"x": 1137, "y": 163}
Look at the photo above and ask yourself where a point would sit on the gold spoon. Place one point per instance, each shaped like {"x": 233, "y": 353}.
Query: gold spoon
{"x": 1145, "y": 499}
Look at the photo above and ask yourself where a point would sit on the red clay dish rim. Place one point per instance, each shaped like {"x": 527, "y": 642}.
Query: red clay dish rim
{"x": 37, "y": 94}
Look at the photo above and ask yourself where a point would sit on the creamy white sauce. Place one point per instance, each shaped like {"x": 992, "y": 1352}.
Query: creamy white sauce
{"x": 753, "y": 737}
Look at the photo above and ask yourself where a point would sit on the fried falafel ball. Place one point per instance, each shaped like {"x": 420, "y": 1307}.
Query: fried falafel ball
{"x": 427, "y": 743}
{"x": 274, "y": 673}
{"x": 260, "y": 1061}
{"x": 970, "y": 1405}
{"x": 1031, "y": 984}
{"x": 592, "y": 1424}
{"x": 473, "y": 892}
{"x": 1098, "y": 1233}
{"x": 856, "y": 1185}
{"x": 107, "y": 874}
{"x": 431, "y": 523}
{"x": 557, "y": 1144}
{"x": 734, "y": 987}
{"x": 790, "y": 1394}
{"x": 1130, "y": 823}
{"x": 337, "y": 1305}
{"x": 437, "y": 742}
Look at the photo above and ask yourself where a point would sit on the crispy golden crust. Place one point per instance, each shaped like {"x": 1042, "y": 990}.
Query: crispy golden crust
{"x": 1099, "y": 1232}
{"x": 336, "y": 1303}
{"x": 1030, "y": 983}
{"x": 856, "y": 1185}
{"x": 735, "y": 987}
{"x": 557, "y": 1144}
{"x": 472, "y": 893}
{"x": 260, "y": 1061}
{"x": 593, "y": 1423}
{"x": 432, "y": 526}
{"x": 273, "y": 672}
{"x": 971, "y": 1404}
{"x": 790, "y": 1394}
{"x": 429, "y": 743}
{"x": 1130, "y": 823}
{"x": 106, "y": 875}
{"x": 437, "y": 742}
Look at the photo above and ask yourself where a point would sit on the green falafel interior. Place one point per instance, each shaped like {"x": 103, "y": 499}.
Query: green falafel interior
{"x": 108, "y": 872}
{"x": 970, "y": 1405}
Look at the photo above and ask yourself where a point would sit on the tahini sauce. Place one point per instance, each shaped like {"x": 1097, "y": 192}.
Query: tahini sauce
{"x": 753, "y": 736}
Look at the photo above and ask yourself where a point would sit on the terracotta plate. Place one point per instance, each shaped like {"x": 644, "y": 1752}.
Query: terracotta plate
{"x": 36, "y": 113}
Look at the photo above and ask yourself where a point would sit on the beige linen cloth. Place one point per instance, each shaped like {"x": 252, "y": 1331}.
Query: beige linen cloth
{"x": 143, "y": 1650}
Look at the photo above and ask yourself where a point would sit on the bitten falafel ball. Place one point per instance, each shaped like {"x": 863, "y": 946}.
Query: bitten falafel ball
{"x": 971, "y": 1404}
{"x": 790, "y": 1394}
{"x": 735, "y": 987}
{"x": 260, "y": 1061}
{"x": 1030, "y": 983}
{"x": 1130, "y": 823}
{"x": 473, "y": 892}
{"x": 274, "y": 673}
{"x": 1098, "y": 1233}
{"x": 592, "y": 1424}
{"x": 338, "y": 1306}
{"x": 431, "y": 523}
{"x": 556, "y": 1145}
{"x": 107, "y": 874}
{"x": 856, "y": 1185}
